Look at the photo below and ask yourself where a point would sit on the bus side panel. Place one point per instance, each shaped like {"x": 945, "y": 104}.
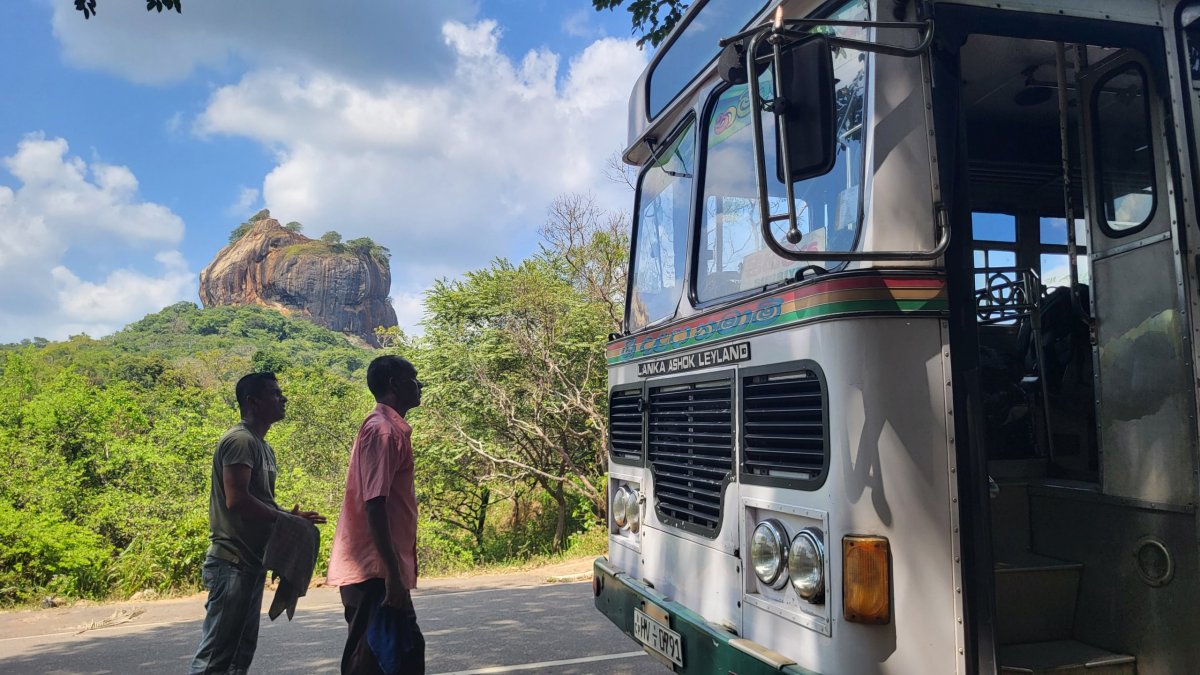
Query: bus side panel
{"x": 889, "y": 475}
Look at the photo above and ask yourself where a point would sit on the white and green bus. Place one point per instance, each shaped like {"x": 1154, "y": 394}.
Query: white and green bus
{"x": 906, "y": 381}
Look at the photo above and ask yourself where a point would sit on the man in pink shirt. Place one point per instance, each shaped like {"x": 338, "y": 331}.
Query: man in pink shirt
{"x": 374, "y": 557}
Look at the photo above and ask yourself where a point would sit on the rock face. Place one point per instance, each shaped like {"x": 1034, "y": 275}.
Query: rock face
{"x": 330, "y": 285}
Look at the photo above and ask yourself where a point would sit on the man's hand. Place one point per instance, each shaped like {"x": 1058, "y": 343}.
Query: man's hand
{"x": 311, "y": 516}
{"x": 396, "y": 595}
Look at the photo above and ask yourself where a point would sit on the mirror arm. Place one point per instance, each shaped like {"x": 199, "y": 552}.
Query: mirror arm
{"x": 760, "y": 160}
{"x": 939, "y": 248}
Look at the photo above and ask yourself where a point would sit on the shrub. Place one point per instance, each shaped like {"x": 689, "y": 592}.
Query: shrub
{"x": 43, "y": 553}
{"x": 441, "y": 552}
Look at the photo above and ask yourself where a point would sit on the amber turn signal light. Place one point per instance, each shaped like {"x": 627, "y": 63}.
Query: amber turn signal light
{"x": 866, "y": 580}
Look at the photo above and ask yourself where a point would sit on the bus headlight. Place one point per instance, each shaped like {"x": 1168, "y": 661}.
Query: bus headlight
{"x": 633, "y": 510}
{"x": 619, "y": 506}
{"x": 768, "y": 553}
{"x": 806, "y": 565}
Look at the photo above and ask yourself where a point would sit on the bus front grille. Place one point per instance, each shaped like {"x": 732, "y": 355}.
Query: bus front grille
{"x": 690, "y": 451}
{"x": 625, "y": 425}
{"x": 785, "y": 438}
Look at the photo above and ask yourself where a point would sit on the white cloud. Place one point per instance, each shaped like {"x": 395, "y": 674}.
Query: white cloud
{"x": 410, "y": 309}
{"x": 246, "y": 201}
{"x": 446, "y": 174}
{"x": 125, "y": 295}
{"x": 367, "y": 40}
{"x": 65, "y": 208}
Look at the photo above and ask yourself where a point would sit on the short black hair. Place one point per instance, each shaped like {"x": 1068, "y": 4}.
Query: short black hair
{"x": 251, "y": 386}
{"x": 385, "y": 368}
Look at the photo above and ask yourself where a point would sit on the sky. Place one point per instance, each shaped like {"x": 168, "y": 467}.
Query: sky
{"x": 131, "y": 144}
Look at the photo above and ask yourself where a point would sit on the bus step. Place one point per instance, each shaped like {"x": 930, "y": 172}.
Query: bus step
{"x": 1035, "y": 599}
{"x": 1063, "y": 657}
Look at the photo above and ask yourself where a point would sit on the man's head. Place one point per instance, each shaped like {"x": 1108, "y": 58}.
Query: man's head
{"x": 393, "y": 380}
{"x": 260, "y": 398}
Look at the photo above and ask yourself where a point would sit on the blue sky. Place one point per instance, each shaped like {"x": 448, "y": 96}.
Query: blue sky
{"x": 131, "y": 144}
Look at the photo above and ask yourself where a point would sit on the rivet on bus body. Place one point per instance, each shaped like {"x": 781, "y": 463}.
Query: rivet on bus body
{"x": 958, "y": 589}
{"x": 960, "y": 650}
{"x": 952, "y": 469}
{"x": 954, "y": 500}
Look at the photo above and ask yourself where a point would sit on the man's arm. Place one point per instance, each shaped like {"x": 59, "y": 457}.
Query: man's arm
{"x": 236, "y": 479}
{"x": 396, "y": 595}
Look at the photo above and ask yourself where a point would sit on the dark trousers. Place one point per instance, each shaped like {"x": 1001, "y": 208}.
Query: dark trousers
{"x": 360, "y": 601}
{"x": 230, "y": 633}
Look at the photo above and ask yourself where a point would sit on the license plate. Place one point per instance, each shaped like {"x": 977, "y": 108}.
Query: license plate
{"x": 658, "y": 637}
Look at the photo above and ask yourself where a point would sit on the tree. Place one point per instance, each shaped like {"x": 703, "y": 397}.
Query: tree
{"x": 294, "y": 226}
{"x": 654, "y": 19}
{"x": 367, "y": 246}
{"x": 331, "y": 237}
{"x": 239, "y": 232}
{"x": 516, "y": 364}
{"x": 591, "y": 245}
{"x": 391, "y": 336}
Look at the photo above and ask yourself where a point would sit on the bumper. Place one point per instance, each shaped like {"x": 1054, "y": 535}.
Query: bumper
{"x": 706, "y": 648}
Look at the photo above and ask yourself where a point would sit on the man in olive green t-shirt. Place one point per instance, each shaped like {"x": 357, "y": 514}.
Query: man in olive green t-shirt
{"x": 241, "y": 513}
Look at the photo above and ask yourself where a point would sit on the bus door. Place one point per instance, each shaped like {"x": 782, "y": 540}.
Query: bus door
{"x": 1143, "y": 380}
{"x": 1087, "y": 439}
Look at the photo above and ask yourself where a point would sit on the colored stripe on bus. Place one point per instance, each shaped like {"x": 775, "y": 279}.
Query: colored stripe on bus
{"x": 849, "y": 296}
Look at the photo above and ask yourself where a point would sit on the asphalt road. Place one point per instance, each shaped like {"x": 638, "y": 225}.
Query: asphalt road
{"x": 552, "y": 629}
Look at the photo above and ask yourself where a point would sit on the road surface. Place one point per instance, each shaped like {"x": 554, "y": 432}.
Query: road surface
{"x": 544, "y": 628}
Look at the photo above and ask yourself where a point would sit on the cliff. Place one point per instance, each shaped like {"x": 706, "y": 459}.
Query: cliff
{"x": 333, "y": 285}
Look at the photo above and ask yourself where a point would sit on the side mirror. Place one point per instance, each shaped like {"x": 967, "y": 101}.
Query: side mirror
{"x": 805, "y": 110}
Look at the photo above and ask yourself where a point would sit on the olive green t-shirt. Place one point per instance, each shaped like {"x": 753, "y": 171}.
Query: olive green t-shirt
{"x": 233, "y": 538}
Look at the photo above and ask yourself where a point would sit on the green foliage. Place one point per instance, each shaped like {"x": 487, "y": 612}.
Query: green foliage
{"x": 294, "y": 226}
{"x": 269, "y": 361}
{"x": 41, "y": 553}
{"x": 516, "y": 371}
{"x": 261, "y": 215}
{"x": 106, "y": 445}
{"x": 239, "y": 232}
{"x": 331, "y": 237}
{"x": 654, "y": 19}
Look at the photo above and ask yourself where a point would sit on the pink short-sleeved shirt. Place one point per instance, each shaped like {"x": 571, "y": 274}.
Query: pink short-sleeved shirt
{"x": 381, "y": 465}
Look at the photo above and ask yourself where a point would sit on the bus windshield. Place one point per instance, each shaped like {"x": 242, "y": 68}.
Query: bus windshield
{"x": 664, "y": 200}
{"x": 733, "y": 257}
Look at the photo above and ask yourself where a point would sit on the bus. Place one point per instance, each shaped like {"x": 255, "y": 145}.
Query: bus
{"x": 906, "y": 377}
